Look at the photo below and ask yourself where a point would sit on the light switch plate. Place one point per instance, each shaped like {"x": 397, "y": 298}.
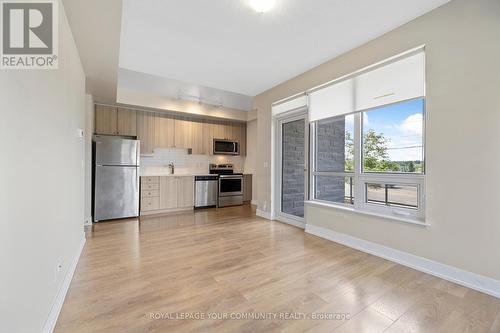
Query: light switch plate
{"x": 79, "y": 133}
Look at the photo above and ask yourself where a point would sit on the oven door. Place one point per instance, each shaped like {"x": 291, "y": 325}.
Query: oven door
{"x": 230, "y": 185}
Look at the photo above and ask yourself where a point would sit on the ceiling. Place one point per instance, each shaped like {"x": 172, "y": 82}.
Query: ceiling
{"x": 221, "y": 50}
{"x": 168, "y": 88}
{"x": 96, "y": 27}
{"x": 224, "y": 44}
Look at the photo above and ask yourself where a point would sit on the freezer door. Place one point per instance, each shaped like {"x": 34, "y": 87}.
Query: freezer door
{"x": 116, "y": 192}
{"x": 115, "y": 151}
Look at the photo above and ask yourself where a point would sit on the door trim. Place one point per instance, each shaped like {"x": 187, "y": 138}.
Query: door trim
{"x": 293, "y": 115}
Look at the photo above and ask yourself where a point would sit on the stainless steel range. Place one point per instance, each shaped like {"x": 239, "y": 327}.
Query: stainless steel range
{"x": 230, "y": 185}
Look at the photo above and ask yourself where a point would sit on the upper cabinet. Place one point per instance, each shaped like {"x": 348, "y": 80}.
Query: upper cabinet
{"x": 183, "y": 133}
{"x": 126, "y": 122}
{"x": 208, "y": 138}
{"x": 164, "y": 131}
{"x": 222, "y": 130}
{"x": 111, "y": 120}
{"x": 198, "y": 138}
{"x": 239, "y": 133}
{"x": 106, "y": 118}
{"x": 146, "y": 131}
{"x": 157, "y": 130}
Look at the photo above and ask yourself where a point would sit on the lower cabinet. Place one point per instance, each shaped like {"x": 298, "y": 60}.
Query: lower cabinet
{"x": 185, "y": 192}
{"x": 166, "y": 194}
{"x": 247, "y": 187}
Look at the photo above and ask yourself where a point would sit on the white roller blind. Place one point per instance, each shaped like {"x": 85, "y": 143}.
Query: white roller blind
{"x": 289, "y": 105}
{"x": 331, "y": 101}
{"x": 401, "y": 80}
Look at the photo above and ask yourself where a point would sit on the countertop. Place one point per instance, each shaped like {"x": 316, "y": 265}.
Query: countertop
{"x": 174, "y": 175}
{"x": 161, "y": 174}
{"x": 164, "y": 172}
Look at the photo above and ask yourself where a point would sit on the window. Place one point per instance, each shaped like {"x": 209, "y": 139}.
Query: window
{"x": 334, "y": 160}
{"x": 336, "y": 189}
{"x": 392, "y": 138}
{"x": 392, "y": 195}
{"x": 371, "y": 158}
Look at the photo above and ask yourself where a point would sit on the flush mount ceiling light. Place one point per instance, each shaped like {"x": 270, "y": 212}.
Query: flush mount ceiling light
{"x": 262, "y": 6}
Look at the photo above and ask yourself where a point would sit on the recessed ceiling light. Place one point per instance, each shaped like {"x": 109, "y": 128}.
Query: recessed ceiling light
{"x": 262, "y": 6}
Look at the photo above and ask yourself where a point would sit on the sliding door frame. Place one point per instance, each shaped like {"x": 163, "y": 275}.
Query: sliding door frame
{"x": 279, "y": 120}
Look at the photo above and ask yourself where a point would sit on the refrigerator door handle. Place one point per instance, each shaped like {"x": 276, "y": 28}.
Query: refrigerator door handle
{"x": 137, "y": 178}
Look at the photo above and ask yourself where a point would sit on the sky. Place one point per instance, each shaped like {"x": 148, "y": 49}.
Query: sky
{"x": 402, "y": 123}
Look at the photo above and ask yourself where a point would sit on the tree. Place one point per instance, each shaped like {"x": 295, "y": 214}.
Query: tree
{"x": 375, "y": 153}
{"x": 411, "y": 167}
{"x": 349, "y": 152}
{"x": 375, "y": 157}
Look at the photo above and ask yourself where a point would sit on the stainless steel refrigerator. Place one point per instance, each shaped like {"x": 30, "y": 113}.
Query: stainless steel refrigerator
{"x": 116, "y": 177}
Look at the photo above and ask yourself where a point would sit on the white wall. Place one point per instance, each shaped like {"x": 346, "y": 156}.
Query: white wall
{"x": 463, "y": 137}
{"x": 184, "y": 162}
{"x": 42, "y": 181}
{"x": 250, "y": 161}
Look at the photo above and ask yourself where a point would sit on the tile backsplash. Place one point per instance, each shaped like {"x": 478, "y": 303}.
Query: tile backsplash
{"x": 184, "y": 162}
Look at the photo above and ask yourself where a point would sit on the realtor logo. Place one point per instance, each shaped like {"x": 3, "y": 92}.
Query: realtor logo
{"x": 29, "y": 34}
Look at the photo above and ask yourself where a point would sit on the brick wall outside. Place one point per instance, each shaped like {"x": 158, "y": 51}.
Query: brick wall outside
{"x": 330, "y": 152}
{"x": 293, "y": 186}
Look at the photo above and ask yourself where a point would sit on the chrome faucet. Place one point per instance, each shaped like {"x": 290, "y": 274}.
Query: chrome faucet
{"x": 171, "y": 167}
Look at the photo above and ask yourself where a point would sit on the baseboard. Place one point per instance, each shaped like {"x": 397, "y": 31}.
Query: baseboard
{"x": 165, "y": 211}
{"x": 465, "y": 278}
{"x": 264, "y": 214}
{"x": 253, "y": 202}
{"x": 293, "y": 222}
{"x": 88, "y": 221}
{"x": 51, "y": 321}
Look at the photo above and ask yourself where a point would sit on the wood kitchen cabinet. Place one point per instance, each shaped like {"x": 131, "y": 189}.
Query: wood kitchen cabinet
{"x": 208, "y": 138}
{"x": 157, "y": 130}
{"x": 164, "y": 131}
{"x": 146, "y": 131}
{"x": 166, "y": 194}
{"x": 185, "y": 192}
{"x": 183, "y": 133}
{"x": 198, "y": 138}
{"x": 239, "y": 133}
{"x": 150, "y": 195}
{"x": 110, "y": 120}
{"x": 106, "y": 118}
{"x": 222, "y": 130}
{"x": 247, "y": 187}
{"x": 126, "y": 122}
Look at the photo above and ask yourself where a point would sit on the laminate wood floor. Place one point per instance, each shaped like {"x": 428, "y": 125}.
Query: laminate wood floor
{"x": 230, "y": 265}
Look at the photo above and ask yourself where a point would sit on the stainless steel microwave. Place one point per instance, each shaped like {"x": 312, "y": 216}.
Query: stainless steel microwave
{"x": 226, "y": 147}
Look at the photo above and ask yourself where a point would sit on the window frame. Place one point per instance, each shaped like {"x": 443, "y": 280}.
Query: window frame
{"x": 361, "y": 112}
{"x": 361, "y": 177}
{"x": 312, "y": 166}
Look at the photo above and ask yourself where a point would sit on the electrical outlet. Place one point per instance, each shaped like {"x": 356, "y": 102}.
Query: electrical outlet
{"x": 57, "y": 271}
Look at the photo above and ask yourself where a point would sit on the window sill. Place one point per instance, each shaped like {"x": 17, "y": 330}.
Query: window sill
{"x": 352, "y": 210}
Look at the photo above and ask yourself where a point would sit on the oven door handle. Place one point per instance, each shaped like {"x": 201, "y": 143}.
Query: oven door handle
{"x": 230, "y": 177}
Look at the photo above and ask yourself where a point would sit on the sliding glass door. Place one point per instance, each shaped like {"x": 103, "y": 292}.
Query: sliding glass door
{"x": 292, "y": 152}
